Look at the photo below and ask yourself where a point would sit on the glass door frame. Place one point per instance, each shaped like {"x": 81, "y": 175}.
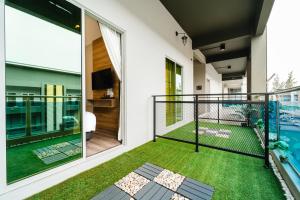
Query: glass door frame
{"x": 4, "y": 187}
{"x": 2, "y": 102}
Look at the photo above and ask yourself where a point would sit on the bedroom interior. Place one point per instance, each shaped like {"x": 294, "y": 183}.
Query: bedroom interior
{"x": 102, "y": 92}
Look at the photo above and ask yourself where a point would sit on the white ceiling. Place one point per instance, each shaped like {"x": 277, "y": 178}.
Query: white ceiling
{"x": 92, "y": 30}
{"x": 237, "y": 65}
{"x": 233, "y": 83}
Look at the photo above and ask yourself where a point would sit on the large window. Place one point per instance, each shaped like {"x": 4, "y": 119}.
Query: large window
{"x": 173, "y": 87}
{"x": 43, "y": 63}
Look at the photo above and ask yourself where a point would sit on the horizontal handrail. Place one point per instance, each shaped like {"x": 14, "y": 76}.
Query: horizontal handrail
{"x": 215, "y": 102}
{"x": 213, "y": 94}
{"x": 294, "y": 89}
{"x": 43, "y": 96}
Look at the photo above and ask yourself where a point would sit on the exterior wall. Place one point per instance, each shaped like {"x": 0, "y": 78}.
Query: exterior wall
{"x": 211, "y": 82}
{"x": 199, "y": 77}
{"x": 149, "y": 37}
{"x": 244, "y": 85}
{"x": 237, "y": 84}
{"x": 198, "y": 55}
{"x": 203, "y": 73}
{"x": 17, "y": 76}
{"x": 215, "y": 80}
{"x": 259, "y": 63}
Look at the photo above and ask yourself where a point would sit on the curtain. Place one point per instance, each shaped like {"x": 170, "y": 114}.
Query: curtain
{"x": 112, "y": 41}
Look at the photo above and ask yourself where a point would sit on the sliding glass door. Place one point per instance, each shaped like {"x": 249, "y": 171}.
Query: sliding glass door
{"x": 43, "y": 86}
{"x": 174, "y": 111}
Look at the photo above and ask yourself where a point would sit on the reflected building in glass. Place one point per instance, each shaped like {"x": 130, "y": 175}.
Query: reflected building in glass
{"x": 43, "y": 86}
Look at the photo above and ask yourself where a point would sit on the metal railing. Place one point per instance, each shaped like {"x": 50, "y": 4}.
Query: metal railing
{"x": 36, "y": 117}
{"x": 215, "y": 120}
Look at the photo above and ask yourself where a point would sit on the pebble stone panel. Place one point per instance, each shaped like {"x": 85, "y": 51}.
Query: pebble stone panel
{"x": 150, "y": 182}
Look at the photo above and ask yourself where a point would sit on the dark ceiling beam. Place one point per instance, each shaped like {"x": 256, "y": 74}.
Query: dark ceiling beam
{"x": 227, "y": 56}
{"x": 262, "y": 16}
{"x": 233, "y": 76}
{"x": 221, "y": 36}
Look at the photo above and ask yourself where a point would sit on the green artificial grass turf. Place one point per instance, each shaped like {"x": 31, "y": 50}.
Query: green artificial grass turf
{"x": 242, "y": 139}
{"x": 22, "y": 162}
{"x": 233, "y": 176}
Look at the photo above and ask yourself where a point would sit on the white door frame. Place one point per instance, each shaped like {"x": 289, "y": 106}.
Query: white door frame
{"x": 98, "y": 157}
{"x": 2, "y": 102}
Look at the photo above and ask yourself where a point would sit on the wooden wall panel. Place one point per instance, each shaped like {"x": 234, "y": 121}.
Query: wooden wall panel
{"x": 107, "y": 118}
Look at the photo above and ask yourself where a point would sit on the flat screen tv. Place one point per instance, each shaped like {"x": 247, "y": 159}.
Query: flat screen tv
{"x": 102, "y": 79}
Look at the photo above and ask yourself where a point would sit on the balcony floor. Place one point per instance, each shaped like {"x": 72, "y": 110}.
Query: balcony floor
{"x": 233, "y": 176}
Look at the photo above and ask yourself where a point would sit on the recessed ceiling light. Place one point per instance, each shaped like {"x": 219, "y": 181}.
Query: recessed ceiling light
{"x": 222, "y": 47}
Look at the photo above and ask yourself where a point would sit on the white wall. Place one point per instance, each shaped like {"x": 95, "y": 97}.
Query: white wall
{"x": 150, "y": 37}
{"x": 244, "y": 84}
{"x": 215, "y": 80}
{"x": 199, "y": 77}
{"x": 259, "y": 63}
{"x": 149, "y": 32}
{"x": 204, "y": 72}
{"x": 239, "y": 83}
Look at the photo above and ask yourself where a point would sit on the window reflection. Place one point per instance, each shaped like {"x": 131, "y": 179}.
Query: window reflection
{"x": 43, "y": 86}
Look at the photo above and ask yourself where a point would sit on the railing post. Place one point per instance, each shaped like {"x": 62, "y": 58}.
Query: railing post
{"x": 154, "y": 118}
{"x": 267, "y": 163}
{"x": 28, "y": 116}
{"x": 196, "y": 123}
{"x": 218, "y": 110}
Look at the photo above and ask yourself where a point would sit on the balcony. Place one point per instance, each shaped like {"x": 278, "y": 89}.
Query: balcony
{"x": 233, "y": 176}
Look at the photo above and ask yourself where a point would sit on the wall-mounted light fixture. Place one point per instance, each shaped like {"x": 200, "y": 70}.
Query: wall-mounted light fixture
{"x": 183, "y": 38}
{"x": 222, "y": 47}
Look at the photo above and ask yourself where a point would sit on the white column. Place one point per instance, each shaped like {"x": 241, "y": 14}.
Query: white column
{"x": 259, "y": 63}
{"x": 2, "y": 103}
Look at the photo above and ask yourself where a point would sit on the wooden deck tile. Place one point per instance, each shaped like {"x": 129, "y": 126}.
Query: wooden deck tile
{"x": 154, "y": 191}
{"x": 112, "y": 193}
{"x": 193, "y": 189}
{"x": 189, "y": 188}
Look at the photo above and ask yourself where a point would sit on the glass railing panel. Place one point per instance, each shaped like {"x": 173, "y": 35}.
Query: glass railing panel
{"x": 285, "y": 123}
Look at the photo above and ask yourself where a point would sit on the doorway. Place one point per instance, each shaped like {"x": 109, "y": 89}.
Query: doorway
{"x": 103, "y": 92}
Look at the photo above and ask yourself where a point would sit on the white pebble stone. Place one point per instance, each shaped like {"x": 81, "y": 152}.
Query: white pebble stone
{"x": 169, "y": 179}
{"x": 132, "y": 183}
